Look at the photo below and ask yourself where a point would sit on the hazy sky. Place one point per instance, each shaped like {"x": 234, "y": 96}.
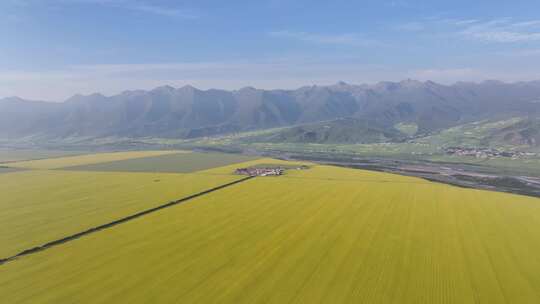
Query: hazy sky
{"x": 52, "y": 49}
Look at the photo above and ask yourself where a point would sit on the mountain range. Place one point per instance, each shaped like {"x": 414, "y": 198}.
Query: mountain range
{"x": 359, "y": 113}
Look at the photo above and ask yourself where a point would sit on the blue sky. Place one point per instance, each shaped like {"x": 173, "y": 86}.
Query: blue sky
{"x": 52, "y": 49}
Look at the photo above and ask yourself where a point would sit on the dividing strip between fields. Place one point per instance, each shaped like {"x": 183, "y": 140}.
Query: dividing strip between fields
{"x": 119, "y": 221}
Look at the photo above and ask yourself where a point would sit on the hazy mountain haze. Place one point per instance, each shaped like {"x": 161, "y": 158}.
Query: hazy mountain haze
{"x": 51, "y": 50}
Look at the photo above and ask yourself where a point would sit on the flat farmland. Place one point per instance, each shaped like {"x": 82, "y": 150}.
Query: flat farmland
{"x": 332, "y": 173}
{"x": 39, "y": 206}
{"x": 27, "y": 154}
{"x": 61, "y": 162}
{"x": 8, "y": 170}
{"x": 317, "y": 239}
{"x": 185, "y": 162}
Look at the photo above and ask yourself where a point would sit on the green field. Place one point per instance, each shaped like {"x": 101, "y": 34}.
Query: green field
{"x": 39, "y": 206}
{"x": 8, "y": 170}
{"x": 61, "y": 162}
{"x": 323, "y": 235}
{"x": 19, "y": 155}
{"x": 174, "y": 163}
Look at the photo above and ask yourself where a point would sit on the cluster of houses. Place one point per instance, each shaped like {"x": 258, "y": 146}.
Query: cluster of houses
{"x": 260, "y": 171}
{"x": 486, "y": 152}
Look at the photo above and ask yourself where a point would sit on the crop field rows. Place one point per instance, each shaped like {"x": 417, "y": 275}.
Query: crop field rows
{"x": 10, "y": 156}
{"x": 53, "y": 204}
{"x": 117, "y": 221}
{"x": 171, "y": 163}
{"x": 322, "y": 235}
{"x": 86, "y": 159}
{"x": 44, "y": 202}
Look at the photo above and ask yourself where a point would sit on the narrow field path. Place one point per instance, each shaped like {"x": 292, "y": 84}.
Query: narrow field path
{"x": 117, "y": 222}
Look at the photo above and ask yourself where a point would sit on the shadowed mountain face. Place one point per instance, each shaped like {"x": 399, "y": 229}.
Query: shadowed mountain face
{"x": 188, "y": 112}
{"x": 339, "y": 131}
{"x": 523, "y": 133}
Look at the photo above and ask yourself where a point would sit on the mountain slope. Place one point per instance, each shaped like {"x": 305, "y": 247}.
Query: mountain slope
{"x": 343, "y": 130}
{"x": 514, "y": 132}
{"x": 188, "y": 112}
{"x": 525, "y": 132}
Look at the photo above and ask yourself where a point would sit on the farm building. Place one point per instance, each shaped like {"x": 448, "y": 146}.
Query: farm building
{"x": 260, "y": 171}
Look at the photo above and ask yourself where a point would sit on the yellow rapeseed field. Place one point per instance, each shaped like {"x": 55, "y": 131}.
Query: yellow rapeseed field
{"x": 324, "y": 235}
{"x": 39, "y": 206}
{"x": 61, "y": 162}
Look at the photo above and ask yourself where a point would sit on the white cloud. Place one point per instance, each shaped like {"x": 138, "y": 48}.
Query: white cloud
{"x": 452, "y": 75}
{"x": 502, "y": 30}
{"x": 159, "y": 10}
{"x": 504, "y": 36}
{"x": 143, "y": 6}
{"x": 57, "y": 85}
{"x": 447, "y": 75}
{"x": 285, "y": 73}
{"x": 351, "y": 39}
{"x": 527, "y": 24}
{"x": 465, "y": 21}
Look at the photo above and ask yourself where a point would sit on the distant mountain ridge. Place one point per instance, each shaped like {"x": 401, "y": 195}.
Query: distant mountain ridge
{"x": 188, "y": 112}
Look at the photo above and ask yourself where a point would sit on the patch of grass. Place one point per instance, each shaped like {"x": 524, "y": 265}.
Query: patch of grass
{"x": 366, "y": 238}
{"x": 174, "y": 163}
{"x": 475, "y": 134}
{"x": 407, "y": 128}
{"x": 39, "y": 206}
{"x": 8, "y": 170}
{"x": 55, "y": 163}
{"x": 526, "y": 166}
{"x": 20, "y": 155}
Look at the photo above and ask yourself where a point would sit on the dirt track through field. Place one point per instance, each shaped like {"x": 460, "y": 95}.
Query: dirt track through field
{"x": 117, "y": 222}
